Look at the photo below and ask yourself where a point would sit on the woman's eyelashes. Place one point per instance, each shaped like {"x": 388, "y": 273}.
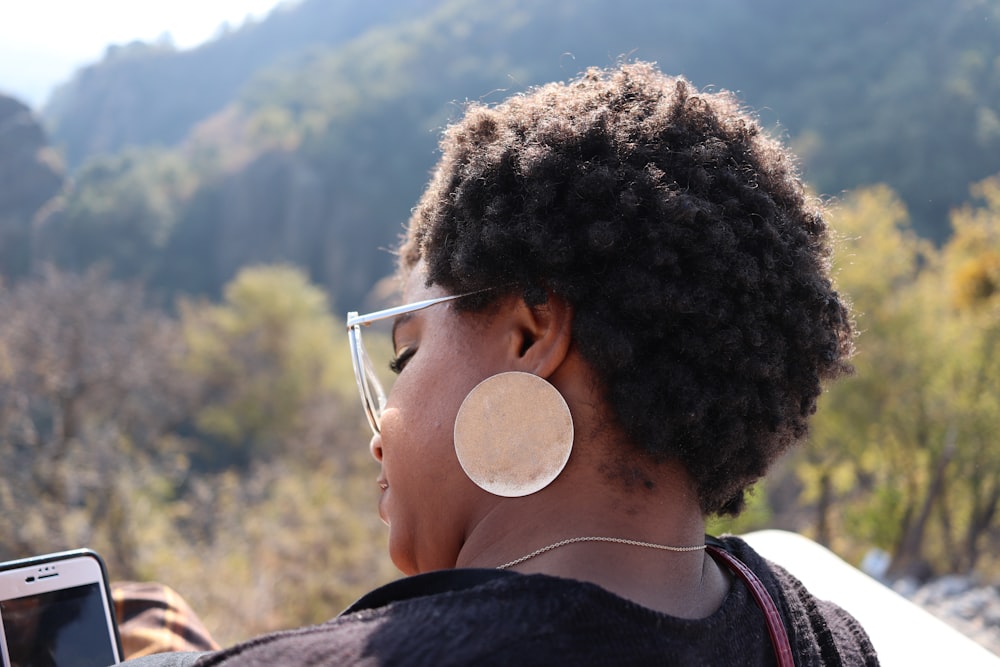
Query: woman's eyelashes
{"x": 399, "y": 362}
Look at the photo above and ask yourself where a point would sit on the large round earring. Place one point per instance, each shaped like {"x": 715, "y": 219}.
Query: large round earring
{"x": 513, "y": 434}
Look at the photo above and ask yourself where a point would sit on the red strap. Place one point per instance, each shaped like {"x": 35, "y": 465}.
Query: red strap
{"x": 775, "y": 626}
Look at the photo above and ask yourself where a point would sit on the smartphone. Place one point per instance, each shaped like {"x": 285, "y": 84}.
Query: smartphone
{"x": 56, "y": 611}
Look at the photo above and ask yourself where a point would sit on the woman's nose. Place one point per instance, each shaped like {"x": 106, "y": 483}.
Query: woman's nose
{"x": 376, "y": 447}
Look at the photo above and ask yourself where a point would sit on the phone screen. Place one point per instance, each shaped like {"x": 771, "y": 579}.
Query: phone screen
{"x": 75, "y": 630}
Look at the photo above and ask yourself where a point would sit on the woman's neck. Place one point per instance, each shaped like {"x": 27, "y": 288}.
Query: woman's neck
{"x": 588, "y": 502}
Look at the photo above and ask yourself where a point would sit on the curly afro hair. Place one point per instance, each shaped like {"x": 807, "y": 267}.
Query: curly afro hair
{"x": 682, "y": 237}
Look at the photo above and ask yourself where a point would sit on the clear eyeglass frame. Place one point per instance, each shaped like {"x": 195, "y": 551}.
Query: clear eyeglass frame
{"x": 373, "y": 395}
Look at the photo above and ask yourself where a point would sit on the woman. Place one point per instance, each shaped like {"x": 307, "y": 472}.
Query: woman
{"x": 619, "y": 317}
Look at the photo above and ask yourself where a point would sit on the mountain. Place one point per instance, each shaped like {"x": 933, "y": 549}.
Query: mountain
{"x": 142, "y": 94}
{"x": 307, "y": 137}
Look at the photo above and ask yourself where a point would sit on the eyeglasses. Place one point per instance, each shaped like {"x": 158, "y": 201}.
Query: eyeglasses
{"x": 373, "y": 396}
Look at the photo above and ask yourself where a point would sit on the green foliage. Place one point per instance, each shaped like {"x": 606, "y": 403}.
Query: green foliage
{"x": 97, "y": 392}
{"x": 877, "y": 257}
{"x": 877, "y": 520}
{"x": 279, "y": 545}
{"x": 120, "y": 212}
{"x": 263, "y": 355}
{"x": 974, "y": 250}
{"x": 902, "y": 454}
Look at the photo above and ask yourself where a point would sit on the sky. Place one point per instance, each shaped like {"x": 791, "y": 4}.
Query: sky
{"x": 43, "y": 42}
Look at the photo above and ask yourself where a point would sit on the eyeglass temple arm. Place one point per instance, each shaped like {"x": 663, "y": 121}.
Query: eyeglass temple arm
{"x": 353, "y": 319}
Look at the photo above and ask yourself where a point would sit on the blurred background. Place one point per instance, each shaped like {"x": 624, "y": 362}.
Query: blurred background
{"x": 184, "y": 224}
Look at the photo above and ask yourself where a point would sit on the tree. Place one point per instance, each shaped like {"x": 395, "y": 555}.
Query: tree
{"x": 279, "y": 507}
{"x": 119, "y": 213}
{"x": 902, "y": 454}
{"x": 88, "y": 399}
{"x": 970, "y": 264}
{"x": 262, "y": 357}
{"x": 878, "y": 257}
{"x": 282, "y": 543}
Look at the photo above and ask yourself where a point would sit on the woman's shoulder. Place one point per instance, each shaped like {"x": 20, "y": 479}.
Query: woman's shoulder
{"x": 497, "y": 618}
{"x": 821, "y": 632}
{"x": 491, "y": 617}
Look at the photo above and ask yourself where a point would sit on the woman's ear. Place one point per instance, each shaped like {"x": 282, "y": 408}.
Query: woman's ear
{"x": 542, "y": 334}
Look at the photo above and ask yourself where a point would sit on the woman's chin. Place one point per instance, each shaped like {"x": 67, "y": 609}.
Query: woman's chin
{"x": 402, "y": 556}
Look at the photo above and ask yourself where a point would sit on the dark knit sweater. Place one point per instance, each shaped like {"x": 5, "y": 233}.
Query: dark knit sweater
{"x": 513, "y": 619}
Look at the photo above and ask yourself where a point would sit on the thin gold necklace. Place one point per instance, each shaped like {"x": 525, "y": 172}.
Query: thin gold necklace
{"x": 616, "y": 540}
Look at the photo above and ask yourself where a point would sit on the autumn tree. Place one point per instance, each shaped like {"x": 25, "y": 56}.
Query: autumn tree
{"x": 88, "y": 398}
{"x": 877, "y": 259}
{"x": 902, "y": 455}
{"x": 969, "y": 497}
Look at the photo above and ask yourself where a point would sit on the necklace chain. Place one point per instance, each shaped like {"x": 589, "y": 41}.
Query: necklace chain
{"x": 616, "y": 540}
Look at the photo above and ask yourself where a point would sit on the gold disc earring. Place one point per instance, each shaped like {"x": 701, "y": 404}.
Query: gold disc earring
{"x": 513, "y": 434}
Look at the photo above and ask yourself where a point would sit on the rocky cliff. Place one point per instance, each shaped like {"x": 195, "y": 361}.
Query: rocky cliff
{"x": 30, "y": 175}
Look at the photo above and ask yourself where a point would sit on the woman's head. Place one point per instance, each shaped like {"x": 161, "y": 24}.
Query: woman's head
{"x": 680, "y": 236}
